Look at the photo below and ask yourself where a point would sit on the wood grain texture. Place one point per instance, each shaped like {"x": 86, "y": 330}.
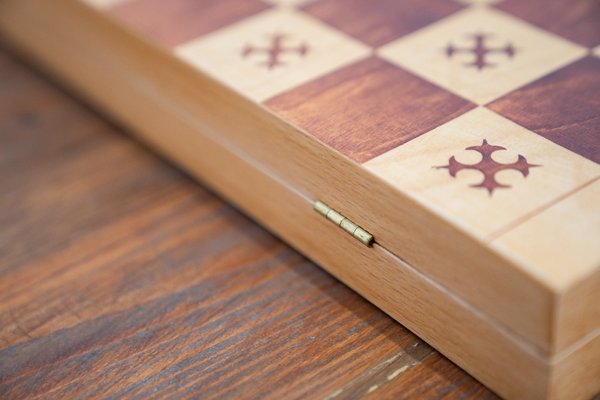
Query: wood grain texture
{"x": 368, "y": 108}
{"x": 399, "y": 224}
{"x": 217, "y": 165}
{"x": 126, "y": 279}
{"x": 564, "y": 107}
{"x": 443, "y": 53}
{"x": 577, "y": 20}
{"x": 377, "y": 25}
{"x": 196, "y": 146}
{"x": 175, "y": 21}
{"x": 194, "y": 116}
{"x": 238, "y": 55}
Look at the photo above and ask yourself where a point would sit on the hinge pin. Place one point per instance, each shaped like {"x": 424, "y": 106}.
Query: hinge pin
{"x": 344, "y": 223}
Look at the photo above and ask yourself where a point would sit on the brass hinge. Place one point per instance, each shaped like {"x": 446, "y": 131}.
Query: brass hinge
{"x": 359, "y": 233}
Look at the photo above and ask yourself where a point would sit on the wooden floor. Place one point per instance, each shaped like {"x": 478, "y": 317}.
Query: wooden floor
{"x": 122, "y": 277}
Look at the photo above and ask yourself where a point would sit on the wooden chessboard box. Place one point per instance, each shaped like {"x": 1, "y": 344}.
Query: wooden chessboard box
{"x": 440, "y": 157}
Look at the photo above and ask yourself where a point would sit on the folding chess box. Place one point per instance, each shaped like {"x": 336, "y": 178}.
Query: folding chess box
{"x": 440, "y": 157}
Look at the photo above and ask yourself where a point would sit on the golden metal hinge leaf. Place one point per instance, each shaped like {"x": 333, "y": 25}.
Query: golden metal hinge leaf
{"x": 350, "y": 227}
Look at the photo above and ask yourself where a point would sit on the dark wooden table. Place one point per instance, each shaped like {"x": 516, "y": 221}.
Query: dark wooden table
{"x": 122, "y": 277}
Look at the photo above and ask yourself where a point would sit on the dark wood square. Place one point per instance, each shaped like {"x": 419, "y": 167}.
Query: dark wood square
{"x": 563, "y": 107}
{"x": 368, "y": 108}
{"x": 172, "y": 22}
{"x": 576, "y": 20}
{"x": 377, "y": 22}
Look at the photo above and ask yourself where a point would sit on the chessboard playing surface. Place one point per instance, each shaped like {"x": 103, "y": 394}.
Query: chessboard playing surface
{"x": 487, "y": 112}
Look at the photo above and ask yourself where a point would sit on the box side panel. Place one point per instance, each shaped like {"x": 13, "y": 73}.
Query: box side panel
{"x": 583, "y": 299}
{"x": 577, "y": 375}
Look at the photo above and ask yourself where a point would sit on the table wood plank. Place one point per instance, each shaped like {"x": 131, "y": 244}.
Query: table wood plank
{"x": 122, "y": 277}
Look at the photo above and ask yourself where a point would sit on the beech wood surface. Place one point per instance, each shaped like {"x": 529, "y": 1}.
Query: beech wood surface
{"x": 396, "y": 220}
{"x": 469, "y": 340}
{"x": 122, "y": 277}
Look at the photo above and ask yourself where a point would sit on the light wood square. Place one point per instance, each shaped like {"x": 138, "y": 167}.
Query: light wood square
{"x": 411, "y": 168}
{"x": 221, "y": 54}
{"x": 561, "y": 244}
{"x": 524, "y": 53}
{"x": 596, "y": 51}
{"x": 478, "y": 2}
{"x": 102, "y": 3}
{"x": 289, "y": 3}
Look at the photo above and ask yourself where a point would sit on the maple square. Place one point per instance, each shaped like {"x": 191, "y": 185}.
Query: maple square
{"x": 368, "y": 108}
{"x": 272, "y": 52}
{"x": 102, "y": 3}
{"x": 176, "y": 21}
{"x": 478, "y": 2}
{"x": 563, "y": 107}
{"x": 566, "y": 232}
{"x": 380, "y": 23}
{"x": 481, "y": 54}
{"x": 483, "y": 170}
{"x": 289, "y": 3}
